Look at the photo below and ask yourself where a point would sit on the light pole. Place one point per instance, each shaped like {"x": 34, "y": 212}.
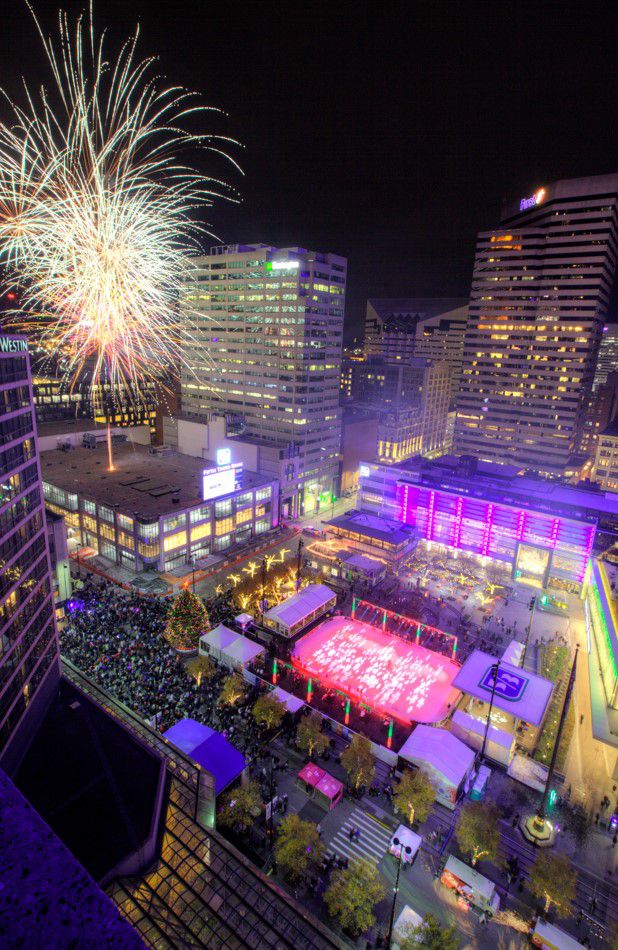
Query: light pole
{"x": 263, "y": 597}
{"x": 531, "y": 608}
{"x": 495, "y": 669}
{"x": 408, "y": 850}
{"x": 299, "y": 554}
{"x": 536, "y": 828}
{"x": 193, "y": 573}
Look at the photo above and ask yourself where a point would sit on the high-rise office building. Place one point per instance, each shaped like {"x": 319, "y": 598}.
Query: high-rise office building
{"x": 607, "y": 360}
{"x": 431, "y": 328}
{"x": 29, "y": 657}
{"x": 539, "y": 296}
{"x": 600, "y": 409}
{"x": 264, "y": 349}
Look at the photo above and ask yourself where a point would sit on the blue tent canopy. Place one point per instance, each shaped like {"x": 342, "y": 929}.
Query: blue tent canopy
{"x": 209, "y": 749}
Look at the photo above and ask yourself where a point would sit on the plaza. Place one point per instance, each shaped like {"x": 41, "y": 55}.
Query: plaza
{"x": 394, "y": 677}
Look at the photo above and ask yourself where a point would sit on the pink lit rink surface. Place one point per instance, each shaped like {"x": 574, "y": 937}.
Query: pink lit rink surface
{"x": 400, "y": 679}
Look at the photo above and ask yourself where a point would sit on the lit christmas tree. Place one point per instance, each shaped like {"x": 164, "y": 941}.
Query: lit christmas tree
{"x": 186, "y": 621}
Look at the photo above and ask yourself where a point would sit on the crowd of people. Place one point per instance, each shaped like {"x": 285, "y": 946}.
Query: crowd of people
{"x": 117, "y": 639}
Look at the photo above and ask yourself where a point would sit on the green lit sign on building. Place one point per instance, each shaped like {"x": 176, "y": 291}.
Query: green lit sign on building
{"x": 281, "y": 265}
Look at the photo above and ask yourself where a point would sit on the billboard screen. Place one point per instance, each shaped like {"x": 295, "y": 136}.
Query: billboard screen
{"x": 219, "y": 481}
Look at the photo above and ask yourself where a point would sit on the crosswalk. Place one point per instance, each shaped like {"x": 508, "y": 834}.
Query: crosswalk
{"x": 372, "y": 844}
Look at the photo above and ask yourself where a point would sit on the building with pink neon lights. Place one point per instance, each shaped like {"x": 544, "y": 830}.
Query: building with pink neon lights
{"x": 543, "y": 530}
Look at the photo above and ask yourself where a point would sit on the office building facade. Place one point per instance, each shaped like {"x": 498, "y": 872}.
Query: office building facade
{"x": 263, "y": 344}
{"x": 607, "y": 360}
{"x": 418, "y": 424}
{"x": 431, "y": 328}
{"x": 54, "y": 401}
{"x": 156, "y": 511}
{"x": 605, "y": 470}
{"x": 539, "y": 296}
{"x": 599, "y": 411}
{"x": 29, "y": 656}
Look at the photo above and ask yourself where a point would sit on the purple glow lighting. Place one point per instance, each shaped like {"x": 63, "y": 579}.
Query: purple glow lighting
{"x": 493, "y": 529}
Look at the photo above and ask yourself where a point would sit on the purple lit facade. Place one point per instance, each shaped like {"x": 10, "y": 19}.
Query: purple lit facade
{"x": 497, "y": 530}
{"x": 542, "y": 530}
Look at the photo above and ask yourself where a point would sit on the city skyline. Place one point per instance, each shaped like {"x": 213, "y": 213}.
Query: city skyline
{"x": 279, "y": 611}
{"x": 405, "y": 174}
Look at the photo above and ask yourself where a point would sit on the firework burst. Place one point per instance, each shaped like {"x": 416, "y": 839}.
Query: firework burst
{"x": 97, "y": 209}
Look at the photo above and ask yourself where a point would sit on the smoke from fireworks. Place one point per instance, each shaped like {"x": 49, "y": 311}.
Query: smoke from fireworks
{"x": 96, "y": 209}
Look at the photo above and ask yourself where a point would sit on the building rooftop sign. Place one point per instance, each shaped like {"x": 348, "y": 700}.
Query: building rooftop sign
{"x": 9, "y": 344}
{"x": 281, "y": 265}
{"x": 533, "y": 200}
{"x": 522, "y": 694}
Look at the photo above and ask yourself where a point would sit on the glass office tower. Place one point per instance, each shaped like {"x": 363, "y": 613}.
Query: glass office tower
{"x": 29, "y": 654}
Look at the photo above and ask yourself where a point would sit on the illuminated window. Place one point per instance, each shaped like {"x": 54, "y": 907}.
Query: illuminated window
{"x": 174, "y": 540}
{"x": 174, "y": 521}
{"x": 245, "y": 515}
{"x": 202, "y": 531}
{"x": 200, "y": 514}
{"x": 224, "y": 526}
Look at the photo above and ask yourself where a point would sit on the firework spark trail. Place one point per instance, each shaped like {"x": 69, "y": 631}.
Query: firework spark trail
{"x": 95, "y": 209}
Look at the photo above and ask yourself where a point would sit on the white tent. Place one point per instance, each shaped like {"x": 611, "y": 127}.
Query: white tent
{"x": 407, "y": 921}
{"x": 240, "y": 652}
{"x": 446, "y": 760}
{"x": 216, "y": 640}
{"x": 292, "y": 703}
{"x": 500, "y": 743}
{"x": 514, "y": 653}
{"x": 299, "y": 610}
{"x": 243, "y": 620}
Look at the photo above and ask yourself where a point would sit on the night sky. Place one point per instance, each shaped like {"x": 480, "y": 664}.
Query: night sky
{"x": 387, "y": 133}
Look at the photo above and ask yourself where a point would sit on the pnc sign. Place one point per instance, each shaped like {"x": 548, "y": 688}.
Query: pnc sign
{"x": 509, "y": 686}
{"x": 533, "y": 200}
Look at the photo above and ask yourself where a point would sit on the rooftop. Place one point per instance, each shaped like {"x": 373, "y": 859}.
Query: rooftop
{"x": 611, "y": 429}
{"x": 522, "y": 694}
{"x": 373, "y": 526}
{"x": 209, "y": 749}
{"x": 440, "y": 749}
{"x": 388, "y": 308}
{"x": 79, "y": 774}
{"x": 143, "y": 485}
{"x": 508, "y": 484}
{"x": 45, "y": 891}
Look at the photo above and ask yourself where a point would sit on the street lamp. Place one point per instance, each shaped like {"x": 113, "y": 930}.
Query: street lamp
{"x": 408, "y": 850}
{"x": 495, "y": 669}
{"x": 193, "y": 573}
{"x": 299, "y": 555}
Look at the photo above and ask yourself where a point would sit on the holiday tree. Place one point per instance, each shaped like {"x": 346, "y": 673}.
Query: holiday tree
{"x": 186, "y": 621}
